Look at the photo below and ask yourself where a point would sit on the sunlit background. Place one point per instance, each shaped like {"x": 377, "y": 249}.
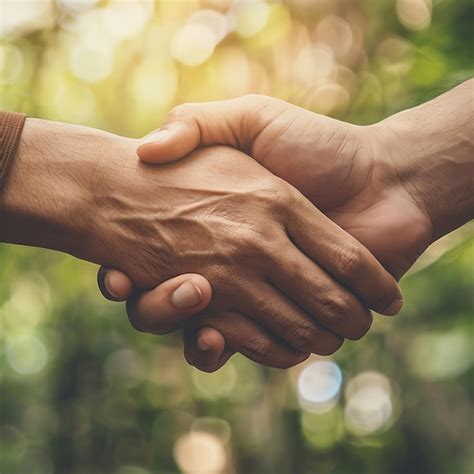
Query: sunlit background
{"x": 82, "y": 393}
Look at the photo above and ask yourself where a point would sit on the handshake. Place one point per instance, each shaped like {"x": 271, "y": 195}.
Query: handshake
{"x": 255, "y": 226}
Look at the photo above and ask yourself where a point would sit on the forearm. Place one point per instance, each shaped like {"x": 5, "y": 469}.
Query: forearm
{"x": 47, "y": 200}
{"x": 432, "y": 152}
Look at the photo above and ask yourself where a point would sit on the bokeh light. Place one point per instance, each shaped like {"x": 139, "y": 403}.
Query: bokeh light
{"x": 369, "y": 405}
{"x": 251, "y": 17}
{"x": 19, "y": 18}
{"x": 441, "y": 355}
{"x": 193, "y": 44}
{"x": 200, "y": 452}
{"x": 125, "y": 19}
{"x": 319, "y": 385}
{"x": 11, "y": 64}
{"x": 82, "y": 392}
{"x": 216, "y": 426}
{"x": 26, "y": 354}
{"x": 82, "y": 100}
{"x": 414, "y": 14}
{"x": 336, "y": 33}
{"x": 213, "y": 21}
{"x": 76, "y": 6}
{"x": 155, "y": 84}
{"x": 29, "y": 304}
{"x": 91, "y": 64}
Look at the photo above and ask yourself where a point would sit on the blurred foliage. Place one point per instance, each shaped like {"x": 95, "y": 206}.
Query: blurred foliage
{"x": 82, "y": 393}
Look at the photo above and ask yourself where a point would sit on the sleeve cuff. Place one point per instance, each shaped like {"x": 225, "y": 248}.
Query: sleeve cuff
{"x": 11, "y": 126}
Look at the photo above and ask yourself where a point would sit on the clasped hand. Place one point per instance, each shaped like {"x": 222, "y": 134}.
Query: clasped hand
{"x": 286, "y": 280}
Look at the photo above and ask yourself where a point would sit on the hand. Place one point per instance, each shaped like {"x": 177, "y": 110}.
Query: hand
{"x": 333, "y": 163}
{"x": 258, "y": 241}
{"x": 342, "y": 168}
{"x": 384, "y": 200}
{"x": 233, "y": 222}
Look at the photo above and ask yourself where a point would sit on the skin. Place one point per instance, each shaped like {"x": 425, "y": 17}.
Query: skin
{"x": 396, "y": 186}
{"x": 286, "y": 280}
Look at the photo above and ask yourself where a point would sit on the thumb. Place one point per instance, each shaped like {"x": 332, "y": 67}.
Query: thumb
{"x": 165, "y": 307}
{"x": 233, "y": 122}
{"x": 169, "y": 143}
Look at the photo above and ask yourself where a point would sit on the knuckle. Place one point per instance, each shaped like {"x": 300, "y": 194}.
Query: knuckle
{"x": 280, "y": 198}
{"x": 335, "y": 308}
{"x": 249, "y": 237}
{"x": 349, "y": 260}
{"x": 256, "y": 100}
{"x": 248, "y": 243}
{"x": 285, "y": 194}
{"x": 251, "y": 99}
{"x": 297, "y": 269}
{"x": 303, "y": 336}
{"x": 180, "y": 111}
{"x": 259, "y": 350}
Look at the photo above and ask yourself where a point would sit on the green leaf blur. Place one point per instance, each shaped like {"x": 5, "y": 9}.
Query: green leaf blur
{"x": 83, "y": 393}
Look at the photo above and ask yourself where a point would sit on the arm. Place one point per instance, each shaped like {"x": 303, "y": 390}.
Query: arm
{"x": 431, "y": 148}
{"x": 48, "y": 200}
{"x": 88, "y": 196}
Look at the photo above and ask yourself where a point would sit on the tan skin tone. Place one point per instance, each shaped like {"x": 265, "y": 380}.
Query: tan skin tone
{"x": 396, "y": 186}
{"x": 286, "y": 280}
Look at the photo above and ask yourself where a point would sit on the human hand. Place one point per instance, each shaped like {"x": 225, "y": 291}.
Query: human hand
{"x": 220, "y": 214}
{"x": 384, "y": 200}
{"x": 171, "y": 302}
{"x": 323, "y": 182}
{"x": 330, "y": 163}
{"x": 347, "y": 171}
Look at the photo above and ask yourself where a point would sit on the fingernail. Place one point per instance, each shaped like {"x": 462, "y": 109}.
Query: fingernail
{"x": 186, "y": 296}
{"x": 110, "y": 282}
{"x": 158, "y": 136}
{"x": 394, "y": 307}
{"x": 202, "y": 345}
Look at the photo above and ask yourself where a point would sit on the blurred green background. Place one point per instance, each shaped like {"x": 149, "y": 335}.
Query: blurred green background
{"x": 82, "y": 393}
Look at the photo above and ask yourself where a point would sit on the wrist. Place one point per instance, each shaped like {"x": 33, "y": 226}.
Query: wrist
{"x": 430, "y": 153}
{"x": 48, "y": 200}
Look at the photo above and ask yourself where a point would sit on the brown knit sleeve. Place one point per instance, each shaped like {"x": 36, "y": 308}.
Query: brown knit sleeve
{"x": 11, "y": 126}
